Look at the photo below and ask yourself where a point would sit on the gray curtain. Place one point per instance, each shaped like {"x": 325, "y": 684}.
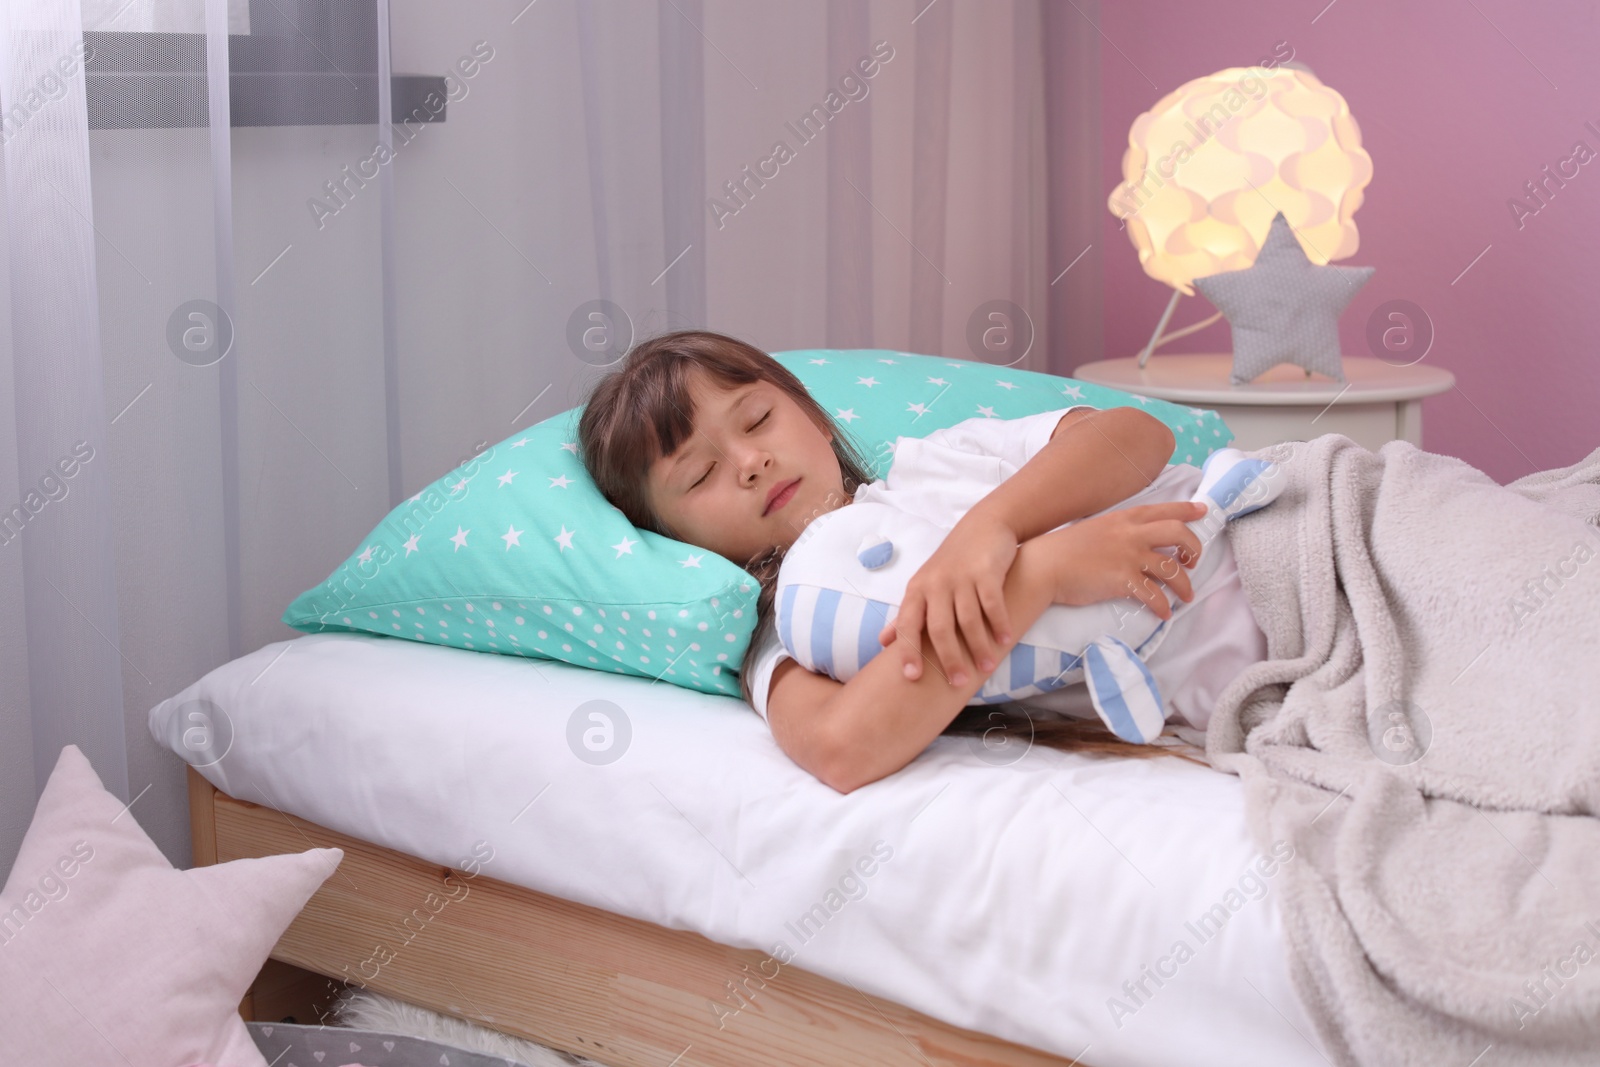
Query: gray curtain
{"x": 231, "y": 346}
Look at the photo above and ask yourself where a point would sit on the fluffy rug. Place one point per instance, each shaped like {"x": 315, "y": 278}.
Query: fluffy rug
{"x": 365, "y": 1010}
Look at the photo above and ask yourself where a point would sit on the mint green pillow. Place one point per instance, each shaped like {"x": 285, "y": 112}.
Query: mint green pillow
{"x": 516, "y": 552}
{"x": 912, "y": 396}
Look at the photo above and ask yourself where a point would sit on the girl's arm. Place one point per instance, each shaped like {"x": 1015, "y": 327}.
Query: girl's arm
{"x": 851, "y": 734}
{"x": 1092, "y": 461}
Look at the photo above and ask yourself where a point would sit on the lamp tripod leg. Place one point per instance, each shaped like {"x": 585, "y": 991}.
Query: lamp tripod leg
{"x": 1166, "y": 316}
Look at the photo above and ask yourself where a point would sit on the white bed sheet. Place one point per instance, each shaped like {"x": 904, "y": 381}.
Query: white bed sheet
{"x": 1017, "y": 901}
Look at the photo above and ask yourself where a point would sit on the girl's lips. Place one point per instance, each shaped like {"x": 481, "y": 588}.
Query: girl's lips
{"x": 783, "y": 497}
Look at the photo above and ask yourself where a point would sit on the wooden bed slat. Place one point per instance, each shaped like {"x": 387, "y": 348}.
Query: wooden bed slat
{"x": 625, "y": 992}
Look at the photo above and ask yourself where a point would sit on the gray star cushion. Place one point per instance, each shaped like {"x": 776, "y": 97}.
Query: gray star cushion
{"x": 1283, "y": 308}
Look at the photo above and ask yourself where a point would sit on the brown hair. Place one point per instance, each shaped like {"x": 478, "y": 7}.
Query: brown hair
{"x": 643, "y": 411}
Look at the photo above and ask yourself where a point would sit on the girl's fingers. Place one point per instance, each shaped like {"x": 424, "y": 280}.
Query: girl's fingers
{"x": 994, "y": 606}
{"x": 908, "y": 624}
{"x": 1182, "y": 510}
{"x": 1148, "y": 588}
{"x": 1175, "y": 575}
{"x": 941, "y": 631}
{"x": 977, "y": 615}
{"x": 1169, "y": 533}
{"x": 891, "y": 629}
{"x": 976, "y": 631}
{"x": 1180, "y": 535}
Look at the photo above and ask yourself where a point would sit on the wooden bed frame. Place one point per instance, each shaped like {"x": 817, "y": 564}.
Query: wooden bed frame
{"x": 621, "y": 991}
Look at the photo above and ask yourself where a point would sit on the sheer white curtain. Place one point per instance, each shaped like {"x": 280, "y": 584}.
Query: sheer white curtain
{"x": 393, "y": 292}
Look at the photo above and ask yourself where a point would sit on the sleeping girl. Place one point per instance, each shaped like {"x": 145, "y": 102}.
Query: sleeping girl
{"x": 1015, "y": 558}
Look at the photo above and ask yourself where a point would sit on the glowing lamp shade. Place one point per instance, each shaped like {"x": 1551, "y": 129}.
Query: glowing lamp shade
{"x": 1209, "y": 165}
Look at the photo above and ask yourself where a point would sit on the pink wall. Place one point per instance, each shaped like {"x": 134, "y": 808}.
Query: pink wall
{"x": 1456, "y": 119}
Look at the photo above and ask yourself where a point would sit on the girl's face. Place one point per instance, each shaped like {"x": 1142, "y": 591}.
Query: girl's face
{"x": 748, "y": 443}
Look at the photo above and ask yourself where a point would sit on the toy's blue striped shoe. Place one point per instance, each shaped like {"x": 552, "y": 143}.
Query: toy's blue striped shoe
{"x": 1235, "y": 484}
{"x": 1123, "y": 690}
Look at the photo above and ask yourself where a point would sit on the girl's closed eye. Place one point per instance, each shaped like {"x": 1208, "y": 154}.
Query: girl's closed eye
{"x": 707, "y": 474}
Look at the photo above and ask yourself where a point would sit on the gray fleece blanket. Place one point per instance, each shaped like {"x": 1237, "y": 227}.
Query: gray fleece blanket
{"x": 1425, "y": 734}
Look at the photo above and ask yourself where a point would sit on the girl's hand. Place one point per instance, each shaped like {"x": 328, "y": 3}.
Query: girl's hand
{"x": 1117, "y": 553}
{"x": 963, "y": 580}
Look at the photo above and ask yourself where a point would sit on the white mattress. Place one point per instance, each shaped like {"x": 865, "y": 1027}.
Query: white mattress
{"x": 1017, "y": 900}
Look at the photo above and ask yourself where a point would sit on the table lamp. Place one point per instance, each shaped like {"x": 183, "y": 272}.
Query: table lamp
{"x": 1213, "y": 162}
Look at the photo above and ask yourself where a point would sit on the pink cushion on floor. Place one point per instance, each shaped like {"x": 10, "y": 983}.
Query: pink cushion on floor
{"x": 110, "y": 955}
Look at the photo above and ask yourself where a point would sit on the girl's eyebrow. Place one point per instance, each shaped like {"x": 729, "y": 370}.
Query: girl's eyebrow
{"x": 687, "y": 449}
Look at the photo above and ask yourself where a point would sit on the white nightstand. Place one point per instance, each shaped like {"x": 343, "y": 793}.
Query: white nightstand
{"x": 1377, "y": 402}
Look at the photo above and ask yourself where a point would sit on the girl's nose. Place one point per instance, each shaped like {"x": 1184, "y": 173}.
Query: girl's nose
{"x": 752, "y": 463}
